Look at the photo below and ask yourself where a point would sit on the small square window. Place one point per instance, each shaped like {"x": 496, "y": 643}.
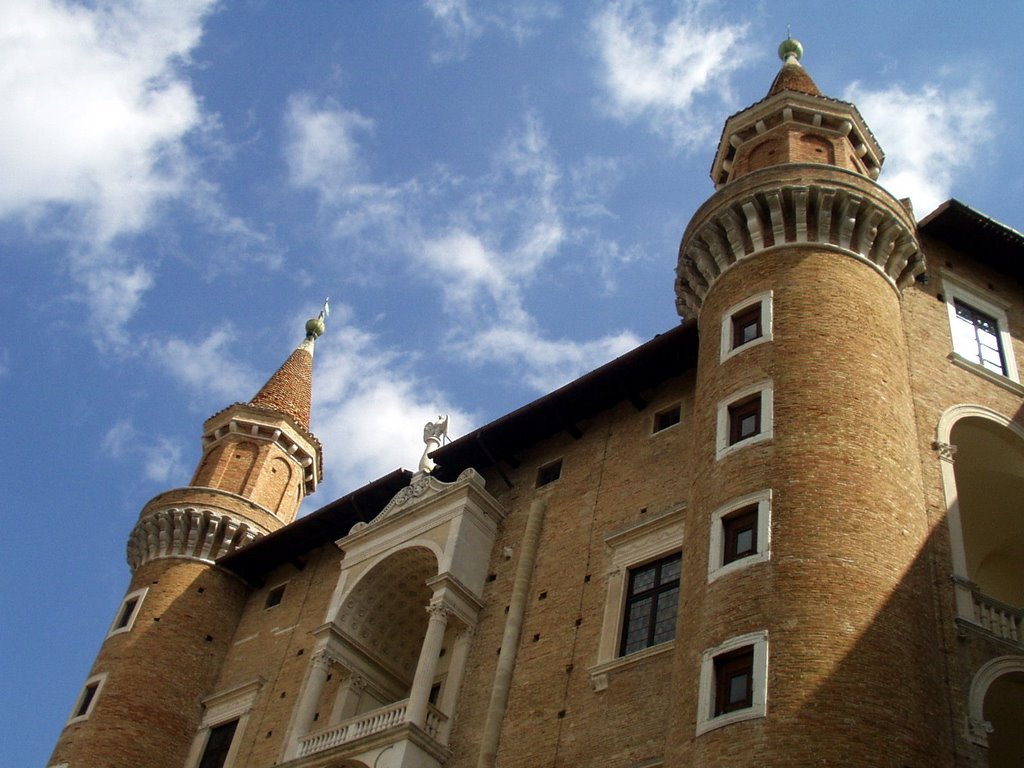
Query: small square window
{"x": 128, "y": 612}
{"x": 666, "y": 418}
{"x": 549, "y": 473}
{"x": 739, "y": 532}
{"x": 744, "y": 419}
{"x": 275, "y": 596}
{"x": 734, "y": 680}
{"x": 746, "y": 325}
{"x": 651, "y": 603}
{"x": 87, "y": 698}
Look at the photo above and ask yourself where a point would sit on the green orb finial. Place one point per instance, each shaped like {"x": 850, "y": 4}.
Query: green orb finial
{"x": 791, "y": 48}
{"x": 316, "y": 326}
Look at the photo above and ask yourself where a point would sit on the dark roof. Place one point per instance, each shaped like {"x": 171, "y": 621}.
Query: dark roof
{"x": 329, "y": 523}
{"x": 629, "y": 377}
{"x": 987, "y": 240}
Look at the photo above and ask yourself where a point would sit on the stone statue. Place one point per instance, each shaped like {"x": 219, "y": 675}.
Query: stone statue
{"x": 433, "y": 433}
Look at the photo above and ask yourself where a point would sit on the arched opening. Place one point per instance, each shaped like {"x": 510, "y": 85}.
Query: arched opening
{"x": 383, "y": 621}
{"x": 989, "y": 472}
{"x": 1004, "y": 710}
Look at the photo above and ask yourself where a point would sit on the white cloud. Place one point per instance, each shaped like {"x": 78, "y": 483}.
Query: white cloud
{"x": 113, "y": 294}
{"x": 207, "y": 367}
{"x": 657, "y": 71}
{"x": 369, "y": 408}
{"x": 161, "y": 459}
{"x": 929, "y": 136}
{"x": 546, "y": 364}
{"x": 462, "y": 23}
{"x": 95, "y": 110}
{"x": 322, "y": 147}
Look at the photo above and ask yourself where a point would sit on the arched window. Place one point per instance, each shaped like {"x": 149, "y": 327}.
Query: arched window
{"x": 982, "y": 454}
{"x": 996, "y": 711}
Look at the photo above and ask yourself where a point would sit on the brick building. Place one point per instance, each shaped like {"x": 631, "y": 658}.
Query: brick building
{"x": 789, "y": 531}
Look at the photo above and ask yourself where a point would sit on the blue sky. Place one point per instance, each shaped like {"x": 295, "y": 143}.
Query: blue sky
{"x": 492, "y": 195}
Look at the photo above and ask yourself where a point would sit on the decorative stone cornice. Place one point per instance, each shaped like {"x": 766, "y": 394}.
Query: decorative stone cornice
{"x": 188, "y": 532}
{"x": 762, "y": 212}
{"x": 422, "y": 487}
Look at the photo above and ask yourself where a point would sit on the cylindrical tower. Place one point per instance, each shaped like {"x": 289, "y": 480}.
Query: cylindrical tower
{"x": 806, "y": 624}
{"x": 174, "y": 625}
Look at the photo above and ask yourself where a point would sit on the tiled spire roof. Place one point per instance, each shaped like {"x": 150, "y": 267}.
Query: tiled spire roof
{"x": 792, "y": 76}
{"x": 290, "y": 389}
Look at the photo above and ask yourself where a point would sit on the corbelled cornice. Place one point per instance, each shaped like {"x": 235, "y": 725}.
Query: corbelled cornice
{"x": 796, "y": 206}
{"x": 194, "y": 533}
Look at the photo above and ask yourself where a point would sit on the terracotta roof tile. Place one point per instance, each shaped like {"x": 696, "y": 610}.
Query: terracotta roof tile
{"x": 289, "y": 390}
{"x": 793, "y": 77}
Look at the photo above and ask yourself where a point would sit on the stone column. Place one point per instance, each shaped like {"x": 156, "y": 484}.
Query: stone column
{"x": 346, "y": 703}
{"x": 456, "y": 671}
{"x": 308, "y": 700}
{"x": 419, "y": 696}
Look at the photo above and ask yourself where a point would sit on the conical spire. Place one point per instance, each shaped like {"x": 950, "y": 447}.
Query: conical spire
{"x": 290, "y": 389}
{"x": 792, "y": 76}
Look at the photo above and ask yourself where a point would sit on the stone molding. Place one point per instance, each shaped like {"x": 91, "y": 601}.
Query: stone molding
{"x": 201, "y": 534}
{"x": 825, "y": 212}
{"x": 422, "y": 487}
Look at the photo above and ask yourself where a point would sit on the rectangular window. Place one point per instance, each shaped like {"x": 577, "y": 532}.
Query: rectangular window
{"x": 549, "y": 473}
{"x": 746, "y": 324}
{"x": 651, "y": 602}
{"x": 218, "y": 743}
{"x": 734, "y": 680}
{"x": 87, "y": 698}
{"x": 128, "y": 611}
{"x": 979, "y": 329}
{"x": 666, "y": 418}
{"x": 976, "y": 337}
{"x": 275, "y": 596}
{"x": 739, "y": 532}
{"x": 744, "y": 419}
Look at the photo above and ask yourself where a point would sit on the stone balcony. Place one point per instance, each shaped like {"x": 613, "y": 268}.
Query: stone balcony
{"x": 360, "y": 739}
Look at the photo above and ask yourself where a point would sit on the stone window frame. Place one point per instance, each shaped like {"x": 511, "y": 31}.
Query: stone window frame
{"x": 117, "y": 627}
{"x": 675, "y": 409}
{"x": 95, "y": 683}
{"x": 728, "y": 347}
{"x": 220, "y": 708}
{"x": 956, "y": 289}
{"x": 766, "y": 391}
{"x": 541, "y": 479}
{"x": 706, "y": 718}
{"x": 283, "y": 587}
{"x": 653, "y": 593}
{"x": 716, "y": 552}
{"x": 635, "y": 544}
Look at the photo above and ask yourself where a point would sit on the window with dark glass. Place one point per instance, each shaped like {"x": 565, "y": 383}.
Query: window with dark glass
{"x": 739, "y": 534}
{"x": 549, "y": 473}
{"x": 667, "y": 418}
{"x": 275, "y": 596}
{"x": 88, "y": 695}
{"x": 976, "y": 337}
{"x": 746, "y": 325}
{"x": 651, "y": 602}
{"x": 734, "y": 680}
{"x": 127, "y": 610}
{"x": 744, "y": 419}
{"x": 218, "y": 743}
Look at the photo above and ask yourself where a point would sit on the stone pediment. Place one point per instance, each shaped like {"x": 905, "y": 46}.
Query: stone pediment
{"x": 422, "y": 488}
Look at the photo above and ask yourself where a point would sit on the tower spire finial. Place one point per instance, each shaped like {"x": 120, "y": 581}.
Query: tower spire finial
{"x": 790, "y": 51}
{"x": 316, "y": 326}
